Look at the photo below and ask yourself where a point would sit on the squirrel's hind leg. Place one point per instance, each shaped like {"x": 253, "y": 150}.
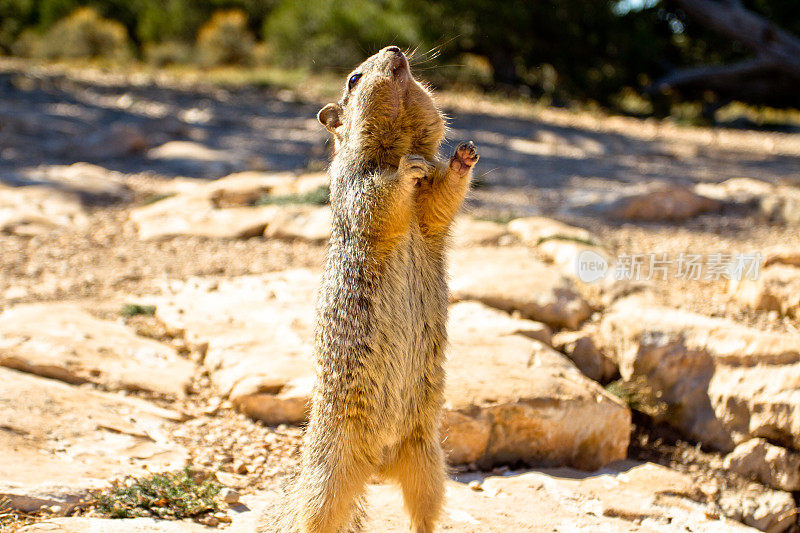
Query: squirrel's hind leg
{"x": 419, "y": 468}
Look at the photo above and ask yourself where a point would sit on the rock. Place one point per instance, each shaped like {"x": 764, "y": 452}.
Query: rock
{"x": 577, "y": 261}
{"x": 194, "y": 158}
{"x": 533, "y": 231}
{"x": 664, "y": 203}
{"x": 468, "y": 232}
{"x": 246, "y": 188}
{"x": 759, "y": 401}
{"x": 127, "y": 525}
{"x": 512, "y": 279}
{"x": 765, "y": 510}
{"x": 783, "y": 255}
{"x": 59, "y": 440}
{"x": 194, "y": 215}
{"x": 778, "y": 203}
{"x": 118, "y": 140}
{"x": 624, "y": 497}
{"x": 782, "y": 205}
{"x": 92, "y": 183}
{"x": 719, "y": 380}
{"x": 225, "y": 208}
{"x": 307, "y": 223}
{"x": 229, "y": 496}
{"x": 772, "y": 465}
{"x": 259, "y": 332}
{"x": 188, "y": 150}
{"x": 62, "y": 341}
{"x": 580, "y": 347}
{"x": 736, "y": 190}
{"x": 777, "y": 288}
{"x": 259, "y": 335}
{"x": 34, "y": 210}
{"x": 513, "y": 399}
{"x": 475, "y": 317}
{"x": 243, "y": 189}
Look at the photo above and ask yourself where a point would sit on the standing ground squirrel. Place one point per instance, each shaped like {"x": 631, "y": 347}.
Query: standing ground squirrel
{"x": 381, "y": 313}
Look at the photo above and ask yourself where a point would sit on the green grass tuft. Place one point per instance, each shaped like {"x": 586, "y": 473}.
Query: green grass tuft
{"x": 319, "y": 196}
{"x": 638, "y": 395}
{"x": 153, "y": 198}
{"x": 559, "y": 237}
{"x": 129, "y": 310}
{"x": 171, "y": 495}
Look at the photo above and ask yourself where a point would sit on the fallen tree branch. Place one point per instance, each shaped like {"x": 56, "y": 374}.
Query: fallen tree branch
{"x": 715, "y": 74}
{"x": 731, "y": 19}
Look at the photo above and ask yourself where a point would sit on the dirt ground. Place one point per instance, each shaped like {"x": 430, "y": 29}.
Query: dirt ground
{"x": 533, "y": 161}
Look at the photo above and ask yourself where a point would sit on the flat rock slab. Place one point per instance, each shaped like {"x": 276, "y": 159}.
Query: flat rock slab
{"x": 533, "y": 231}
{"x": 33, "y": 210}
{"x": 511, "y": 398}
{"x": 469, "y": 231}
{"x": 226, "y": 208}
{"x": 724, "y": 381}
{"x": 92, "y": 183}
{"x": 196, "y": 216}
{"x": 623, "y": 498}
{"x": 63, "y": 341}
{"x": 112, "y": 525}
{"x": 259, "y": 331}
{"x": 759, "y": 401}
{"x": 513, "y": 279}
{"x": 59, "y": 440}
{"x": 663, "y": 203}
{"x": 777, "y": 288}
{"x": 301, "y": 222}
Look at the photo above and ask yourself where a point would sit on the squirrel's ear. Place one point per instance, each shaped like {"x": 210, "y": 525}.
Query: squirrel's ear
{"x": 329, "y": 117}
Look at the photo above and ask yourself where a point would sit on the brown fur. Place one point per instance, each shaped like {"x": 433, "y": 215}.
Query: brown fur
{"x": 382, "y": 308}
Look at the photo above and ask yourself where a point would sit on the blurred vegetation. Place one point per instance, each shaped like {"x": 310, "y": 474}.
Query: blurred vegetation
{"x": 83, "y": 33}
{"x": 319, "y": 196}
{"x": 604, "y": 52}
{"x": 225, "y": 40}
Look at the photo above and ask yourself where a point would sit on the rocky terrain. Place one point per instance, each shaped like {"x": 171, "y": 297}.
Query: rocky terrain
{"x": 160, "y": 246}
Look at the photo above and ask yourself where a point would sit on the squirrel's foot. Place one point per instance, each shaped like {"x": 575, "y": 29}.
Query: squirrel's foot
{"x": 464, "y": 159}
{"x": 416, "y": 168}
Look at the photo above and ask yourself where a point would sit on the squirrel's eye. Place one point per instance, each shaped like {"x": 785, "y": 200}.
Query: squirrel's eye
{"x": 352, "y": 81}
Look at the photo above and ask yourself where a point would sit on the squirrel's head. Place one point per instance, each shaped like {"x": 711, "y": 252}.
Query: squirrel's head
{"x": 384, "y": 112}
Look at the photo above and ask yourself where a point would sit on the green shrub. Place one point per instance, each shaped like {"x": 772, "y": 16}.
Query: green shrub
{"x": 129, "y": 310}
{"x": 171, "y": 495}
{"x": 168, "y": 53}
{"x": 225, "y": 40}
{"x": 337, "y": 33}
{"x": 83, "y": 34}
{"x": 28, "y": 44}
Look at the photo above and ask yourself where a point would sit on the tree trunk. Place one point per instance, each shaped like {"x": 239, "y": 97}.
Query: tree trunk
{"x": 731, "y": 19}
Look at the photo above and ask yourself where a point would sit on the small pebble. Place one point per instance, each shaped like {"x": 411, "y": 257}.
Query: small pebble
{"x": 240, "y": 467}
{"x": 211, "y": 521}
{"x": 475, "y": 485}
{"x": 229, "y": 496}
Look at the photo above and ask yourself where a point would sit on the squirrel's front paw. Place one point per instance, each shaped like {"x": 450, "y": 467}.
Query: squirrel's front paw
{"x": 464, "y": 159}
{"x": 415, "y": 167}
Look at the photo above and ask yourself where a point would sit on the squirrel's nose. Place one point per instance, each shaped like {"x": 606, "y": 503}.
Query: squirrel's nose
{"x": 395, "y": 49}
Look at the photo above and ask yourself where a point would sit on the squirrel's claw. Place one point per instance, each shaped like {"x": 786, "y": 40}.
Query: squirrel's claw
{"x": 464, "y": 158}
